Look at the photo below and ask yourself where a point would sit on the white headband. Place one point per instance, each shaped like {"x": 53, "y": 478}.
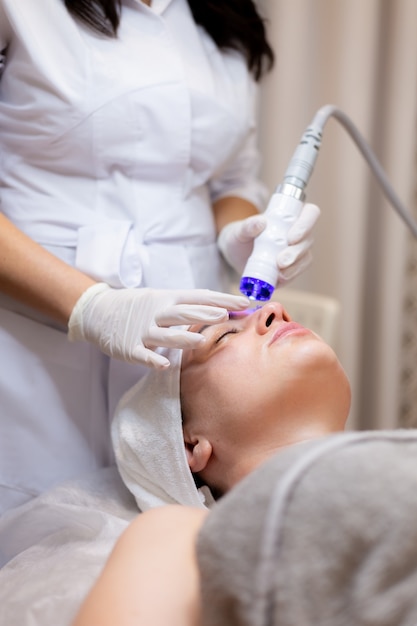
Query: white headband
{"x": 148, "y": 441}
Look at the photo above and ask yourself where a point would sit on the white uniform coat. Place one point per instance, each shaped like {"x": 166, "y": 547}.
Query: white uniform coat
{"x": 111, "y": 154}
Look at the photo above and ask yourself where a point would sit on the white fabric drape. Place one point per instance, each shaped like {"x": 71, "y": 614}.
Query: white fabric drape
{"x": 362, "y": 57}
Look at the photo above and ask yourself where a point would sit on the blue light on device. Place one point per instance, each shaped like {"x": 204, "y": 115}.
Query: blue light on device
{"x": 256, "y": 289}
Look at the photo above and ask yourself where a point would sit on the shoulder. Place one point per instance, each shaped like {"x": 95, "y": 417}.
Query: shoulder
{"x": 25, "y": 20}
{"x": 154, "y": 523}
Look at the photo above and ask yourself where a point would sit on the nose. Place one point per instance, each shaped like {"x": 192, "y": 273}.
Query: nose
{"x": 271, "y": 313}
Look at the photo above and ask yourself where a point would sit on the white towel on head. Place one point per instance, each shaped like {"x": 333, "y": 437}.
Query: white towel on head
{"x": 148, "y": 441}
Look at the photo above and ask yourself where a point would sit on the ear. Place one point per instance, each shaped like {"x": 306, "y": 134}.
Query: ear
{"x": 198, "y": 452}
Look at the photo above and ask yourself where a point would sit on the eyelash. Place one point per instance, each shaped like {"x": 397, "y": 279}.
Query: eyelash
{"x": 231, "y": 331}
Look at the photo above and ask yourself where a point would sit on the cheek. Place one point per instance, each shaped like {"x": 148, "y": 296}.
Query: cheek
{"x": 242, "y": 379}
{"x": 235, "y": 368}
{"x": 214, "y": 388}
{"x": 308, "y": 356}
{"x": 312, "y": 371}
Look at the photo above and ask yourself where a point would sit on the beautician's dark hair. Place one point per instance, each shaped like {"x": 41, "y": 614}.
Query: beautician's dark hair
{"x": 232, "y": 24}
{"x": 103, "y": 16}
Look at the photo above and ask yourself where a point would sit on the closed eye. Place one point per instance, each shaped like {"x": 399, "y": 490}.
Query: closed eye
{"x": 231, "y": 331}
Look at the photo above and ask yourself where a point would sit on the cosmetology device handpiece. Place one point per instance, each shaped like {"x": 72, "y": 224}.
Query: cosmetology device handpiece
{"x": 260, "y": 275}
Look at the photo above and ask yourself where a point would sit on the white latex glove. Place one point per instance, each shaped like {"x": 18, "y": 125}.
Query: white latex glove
{"x": 128, "y": 323}
{"x": 235, "y": 242}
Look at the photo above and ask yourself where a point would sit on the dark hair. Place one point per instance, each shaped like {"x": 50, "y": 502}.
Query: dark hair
{"x": 232, "y": 24}
{"x": 103, "y": 16}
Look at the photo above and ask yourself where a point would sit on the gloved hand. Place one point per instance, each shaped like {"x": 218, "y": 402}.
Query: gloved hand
{"x": 128, "y": 323}
{"x": 235, "y": 242}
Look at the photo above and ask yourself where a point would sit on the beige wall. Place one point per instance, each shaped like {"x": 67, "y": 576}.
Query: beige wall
{"x": 361, "y": 56}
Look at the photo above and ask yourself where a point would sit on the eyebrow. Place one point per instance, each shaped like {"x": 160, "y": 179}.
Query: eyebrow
{"x": 233, "y": 315}
{"x": 203, "y": 328}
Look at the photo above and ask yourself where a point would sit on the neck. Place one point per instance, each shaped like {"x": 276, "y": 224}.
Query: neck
{"x": 241, "y": 464}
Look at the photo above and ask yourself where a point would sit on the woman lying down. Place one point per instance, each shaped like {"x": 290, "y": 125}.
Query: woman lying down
{"x": 259, "y": 384}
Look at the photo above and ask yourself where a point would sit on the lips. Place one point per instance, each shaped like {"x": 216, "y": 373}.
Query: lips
{"x": 288, "y": 328}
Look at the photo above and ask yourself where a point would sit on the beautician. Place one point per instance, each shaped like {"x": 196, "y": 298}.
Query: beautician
{"x": 128, "y": 176}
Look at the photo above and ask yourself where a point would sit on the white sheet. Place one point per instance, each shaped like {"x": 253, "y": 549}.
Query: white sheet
{"x": 53, "y": 548}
